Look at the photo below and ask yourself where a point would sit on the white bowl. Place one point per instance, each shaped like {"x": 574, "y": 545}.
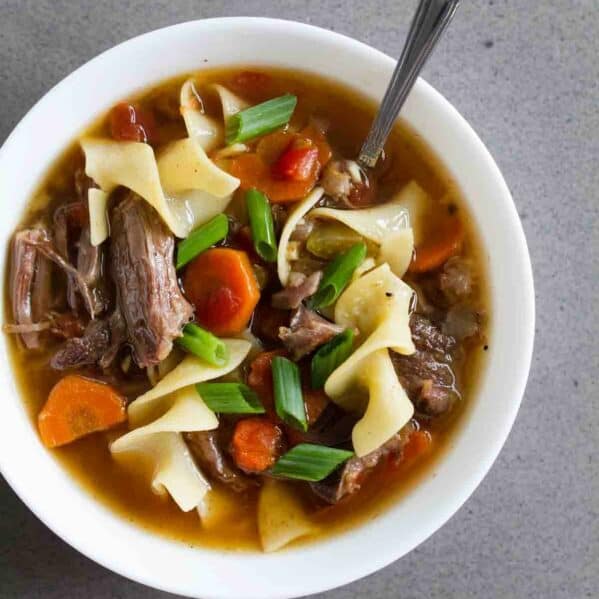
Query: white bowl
{"x": 93, "y": 529}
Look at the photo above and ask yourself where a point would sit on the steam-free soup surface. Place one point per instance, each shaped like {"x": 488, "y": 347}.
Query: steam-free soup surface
{"x": 459, "y": 314}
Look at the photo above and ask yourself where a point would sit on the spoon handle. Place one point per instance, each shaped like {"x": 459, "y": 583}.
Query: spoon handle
{"x": 431, "y": 19}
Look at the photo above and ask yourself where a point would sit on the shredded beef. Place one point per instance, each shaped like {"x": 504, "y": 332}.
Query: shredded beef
{"x": 148, "y": 294}
{"x": 426, "y": 375}
{"x": 206, "y": 449}
{"x": 349, "y": 478}
{"x": 299, "y": 288}
{"x": 307, "y": 331}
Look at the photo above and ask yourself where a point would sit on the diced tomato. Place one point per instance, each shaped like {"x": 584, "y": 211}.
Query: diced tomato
{"x": 253, "y": 172}
{"x": 257, "y": 443}
{"x": 313, "y": 133}
{"x": 297, "y": 162}
{"x": 252, "y": 85}
{"x": 131, "y": 123}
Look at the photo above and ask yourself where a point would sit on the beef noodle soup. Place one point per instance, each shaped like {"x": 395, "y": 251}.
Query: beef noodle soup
{"x": 229, "y": 331}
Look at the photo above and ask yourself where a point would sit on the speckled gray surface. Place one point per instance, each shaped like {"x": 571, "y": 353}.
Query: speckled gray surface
{"x": 525, "y": 75}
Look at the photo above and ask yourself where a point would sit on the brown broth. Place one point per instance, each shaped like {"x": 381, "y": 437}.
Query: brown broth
{"x": 125, "y": 489}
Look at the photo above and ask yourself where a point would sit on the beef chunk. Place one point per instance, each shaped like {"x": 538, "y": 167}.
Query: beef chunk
{"x": 455, "y": 280}
{"x": 426, "y": 375}
{"x": 307, "y": 331}
{"x": 206, "y": 449}
{"x": 349, "y": 478}
{"x": 348, "y": 184}
{"x": 299, "y": 288}
{"x": 148, "y": 294}
{"x": 99, "y": 344}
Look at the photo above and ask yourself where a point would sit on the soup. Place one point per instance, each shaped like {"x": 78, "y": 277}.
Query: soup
{"x": 228, "y": 330}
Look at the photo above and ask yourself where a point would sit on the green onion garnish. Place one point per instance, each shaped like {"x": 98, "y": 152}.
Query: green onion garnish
{"x": 260, "y": 119}
{"x": 204, "y": 344}
{"x": 201, "y": 239}
{"x": 263, "y": 230}
{"x": 310, "y": 462}
{"x": 329, "y": 356}
{"x": 337, "y": 275}
{"x": 230, "y": 398}
{"x": 289, "y": 401}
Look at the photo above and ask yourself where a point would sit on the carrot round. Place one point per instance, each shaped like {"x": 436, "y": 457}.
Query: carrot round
{"x": 221, "y": 284}
{"x": 444, "y": 244}
{"x": 256, "y": 444}
{"x": 260, "y": 379}
{"x": 76, "y": 407}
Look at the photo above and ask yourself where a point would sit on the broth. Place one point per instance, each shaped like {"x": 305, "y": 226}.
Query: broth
{"x": 125, "y": 489}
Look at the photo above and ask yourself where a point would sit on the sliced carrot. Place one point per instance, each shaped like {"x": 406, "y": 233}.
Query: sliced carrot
{"x": 260, "y": 375}
{"x": 271, "y": 146}
{"x": 221, "y": 284}
{"x": 256, "y": 444}
{"x": 78, "y": 406}
{"x": 444, "y": 244}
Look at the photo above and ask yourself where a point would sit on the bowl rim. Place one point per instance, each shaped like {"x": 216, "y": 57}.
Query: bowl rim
{"x": 368, "y": 563}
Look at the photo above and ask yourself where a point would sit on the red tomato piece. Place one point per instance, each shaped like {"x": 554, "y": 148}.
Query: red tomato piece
{"x": 131, "y": 123}
{"x": 297, "y": 162}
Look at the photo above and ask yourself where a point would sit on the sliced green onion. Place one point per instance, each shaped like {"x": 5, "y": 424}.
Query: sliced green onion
{"x": 337, "y": 275}
{"x": 310, "y": 462}
{"x": 230, "y": 398}
{"x": 263, "y": 230}
{"x": 260, "y": 119}
{"x": 204, "y": 344}
{"x": 201, "y": 239}
{"x": 289, "y": 401}
{"x": 329, "y": 356}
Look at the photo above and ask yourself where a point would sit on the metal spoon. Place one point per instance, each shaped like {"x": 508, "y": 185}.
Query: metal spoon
{"x": 431, "y": 19}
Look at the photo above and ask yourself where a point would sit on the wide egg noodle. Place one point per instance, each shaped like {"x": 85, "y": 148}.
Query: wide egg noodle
{"x": 190, "y": 371}
{"x": 98, "y": 221}
{"x": 208, "y": 132}
{"x": 389, "y": 225}
{"x": 377, "y": 305}
{"x": 372, "y": 223}
{"x": 397, "y": 250}
{"x": 388, "y": 408}
{"x": 184, "y": 165}
{"x": 230, "y": 102}
{"x": 296, "y": 215}
{"x": 174, "y": 470}
{"x": 281, "y": 516}
{"x": 132, "y": 165}
{"x": 187, "y": 413}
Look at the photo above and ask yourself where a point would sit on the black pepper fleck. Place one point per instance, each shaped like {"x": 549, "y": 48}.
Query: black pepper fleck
{"x": 388, "y": 294}
{"x": 486, "y": 347}
{"x": 489, "y": 43}
{"x": 452, "y": 208}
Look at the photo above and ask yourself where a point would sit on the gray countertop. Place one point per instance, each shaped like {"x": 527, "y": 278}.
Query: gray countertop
{"x": 525, "y": 75}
